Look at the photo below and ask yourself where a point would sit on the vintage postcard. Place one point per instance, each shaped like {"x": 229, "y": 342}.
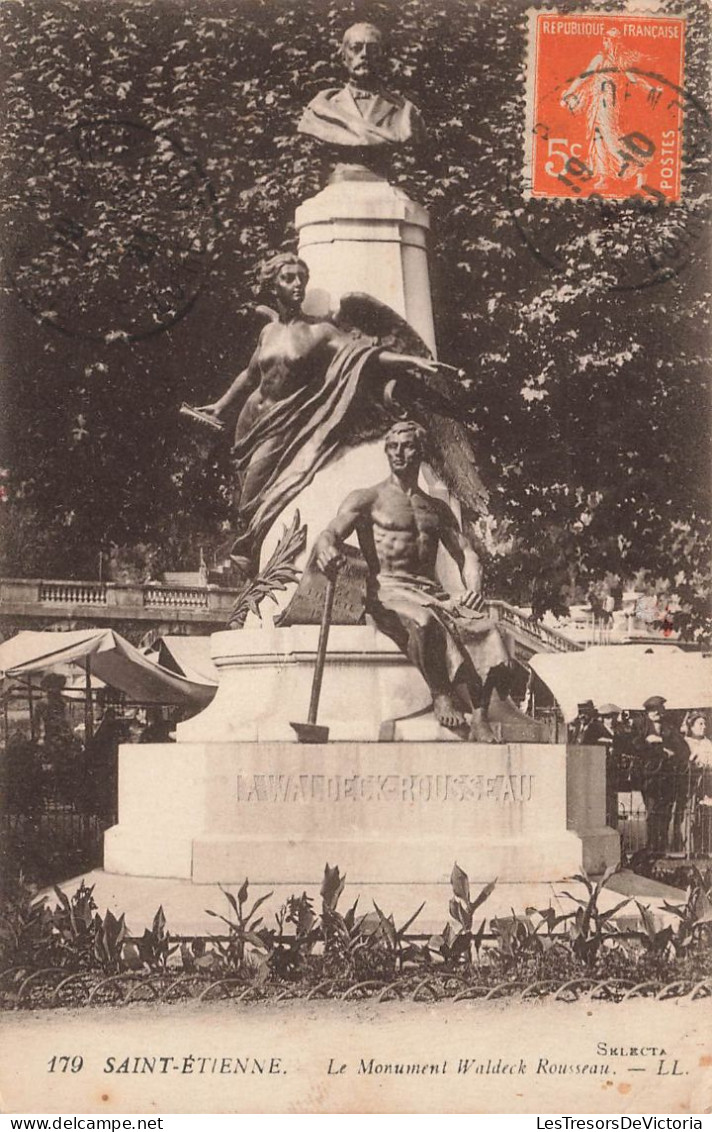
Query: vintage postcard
{"x": 354, "y": 563}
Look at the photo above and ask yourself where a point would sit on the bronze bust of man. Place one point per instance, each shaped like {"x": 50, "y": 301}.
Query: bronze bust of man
{"x": 362, "y": 115}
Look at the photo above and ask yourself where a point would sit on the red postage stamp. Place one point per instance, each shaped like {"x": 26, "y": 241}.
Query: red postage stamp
{"x": 604, "y": 105}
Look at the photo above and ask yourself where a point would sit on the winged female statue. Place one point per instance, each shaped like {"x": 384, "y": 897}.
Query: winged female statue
{"x": 314, "y": 386}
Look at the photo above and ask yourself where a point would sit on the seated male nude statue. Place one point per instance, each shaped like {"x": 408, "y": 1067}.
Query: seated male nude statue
{"x": 457, "y": 649}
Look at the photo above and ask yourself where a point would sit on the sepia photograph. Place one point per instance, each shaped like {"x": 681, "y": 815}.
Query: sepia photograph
{"x": 356, "y": 731}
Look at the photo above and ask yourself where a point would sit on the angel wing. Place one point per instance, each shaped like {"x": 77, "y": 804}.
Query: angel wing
{"x": 361, "y": 314}
{"x": 451, "y": 455}
{"x": 435, "y": 400}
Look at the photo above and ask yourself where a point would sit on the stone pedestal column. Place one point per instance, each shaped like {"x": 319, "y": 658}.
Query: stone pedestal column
{"x": 367, "y": 236}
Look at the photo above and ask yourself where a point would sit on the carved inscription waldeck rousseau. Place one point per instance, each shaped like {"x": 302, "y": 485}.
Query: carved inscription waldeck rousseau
{"x": 504, "y": 789}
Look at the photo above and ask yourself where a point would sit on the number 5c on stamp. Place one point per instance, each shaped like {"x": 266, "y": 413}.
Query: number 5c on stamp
{"x": 604, "y": 112}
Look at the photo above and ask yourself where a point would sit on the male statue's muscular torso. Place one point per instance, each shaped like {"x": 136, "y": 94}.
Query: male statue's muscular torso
{"x": 401, "y": 531}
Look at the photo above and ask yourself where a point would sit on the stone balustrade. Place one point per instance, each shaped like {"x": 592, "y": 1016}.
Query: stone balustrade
{"x": 104, "y": 601}
{"x": 81, "y": 593}
{"x": 32, "y": 597}
{"x": 185, "y": 597}
{"x": 549, "y": 639}
{"x": 208, "y": 605}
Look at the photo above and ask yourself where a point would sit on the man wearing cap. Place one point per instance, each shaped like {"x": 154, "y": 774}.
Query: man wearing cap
{"x": 59, "y": 744}
{"x": 587, "y": 727}
{"x": 52, "y": 712}
{"x": 663, "y": 755}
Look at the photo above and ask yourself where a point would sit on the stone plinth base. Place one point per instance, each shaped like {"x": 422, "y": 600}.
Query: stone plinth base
{"x": 384, "y": 812}
{"x": 266, "y": 677}
{"x": 370, "y": 691}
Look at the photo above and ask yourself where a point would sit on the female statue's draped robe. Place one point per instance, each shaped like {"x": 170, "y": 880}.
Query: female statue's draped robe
{"x": 290, "y": 442}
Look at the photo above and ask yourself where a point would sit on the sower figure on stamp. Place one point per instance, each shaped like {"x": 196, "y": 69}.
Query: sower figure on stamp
{"x": 459, "y": 651}
{"x": 601, "y": 90}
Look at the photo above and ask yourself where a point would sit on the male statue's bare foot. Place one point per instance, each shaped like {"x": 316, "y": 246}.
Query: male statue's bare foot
{"x": 480, "y": 730}
{"x": 445, "y": 711}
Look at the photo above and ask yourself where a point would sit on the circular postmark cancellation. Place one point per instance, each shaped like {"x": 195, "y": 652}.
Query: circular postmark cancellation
{"x": 620, "y": 137}
{"x": 110, "y": 230}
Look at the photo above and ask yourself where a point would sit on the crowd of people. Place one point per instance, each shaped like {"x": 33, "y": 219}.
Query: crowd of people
{"x": 665, "y": 755}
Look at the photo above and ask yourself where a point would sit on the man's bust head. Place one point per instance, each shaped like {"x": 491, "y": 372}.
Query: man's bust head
{"x": 362, "y": 55}
{"x": 362, "y": 114}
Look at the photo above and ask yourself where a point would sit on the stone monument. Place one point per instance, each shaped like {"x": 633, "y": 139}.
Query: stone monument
{"x": 400, "y": 790}
{"x": 359, "y": 219}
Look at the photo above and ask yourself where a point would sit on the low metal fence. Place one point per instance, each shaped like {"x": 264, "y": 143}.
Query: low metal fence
{"x": 668, "y": 812}
{"x": 58, "y": 822}
{"x": 51, "y": 844}
{"x": 22, "y": 987}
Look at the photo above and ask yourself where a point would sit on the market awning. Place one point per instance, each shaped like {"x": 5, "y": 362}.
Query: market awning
{"x": 188, "y": 655}
{"x": 626, "y": 675}
{"x": 109, "y": 657}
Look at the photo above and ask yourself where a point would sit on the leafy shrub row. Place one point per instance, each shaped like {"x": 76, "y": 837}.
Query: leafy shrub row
{"x": 345, "y": 946}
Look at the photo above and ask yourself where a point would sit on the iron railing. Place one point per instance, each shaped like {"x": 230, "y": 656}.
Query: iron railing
{"x": 667, "y": 812}
{"x": 23, "y": 987}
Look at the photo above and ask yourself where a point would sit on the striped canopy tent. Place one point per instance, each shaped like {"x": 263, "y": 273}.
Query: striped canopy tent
{"x": 626, "y": 675}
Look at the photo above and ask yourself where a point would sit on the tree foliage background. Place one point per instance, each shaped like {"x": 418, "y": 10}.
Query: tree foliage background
{"x": 590, "y": 403}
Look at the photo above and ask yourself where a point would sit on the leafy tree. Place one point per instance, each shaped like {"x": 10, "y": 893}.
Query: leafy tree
{"x": 589, "y": 403}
